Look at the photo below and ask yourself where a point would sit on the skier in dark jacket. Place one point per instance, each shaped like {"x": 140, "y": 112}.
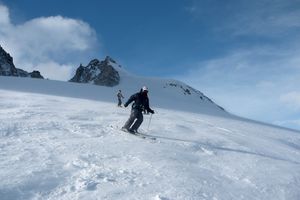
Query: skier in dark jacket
{"x": 120, "y": 97}
{"x": 141, "y": 102}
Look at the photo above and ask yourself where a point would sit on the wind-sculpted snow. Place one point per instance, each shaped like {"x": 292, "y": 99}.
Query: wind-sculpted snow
{"x": 65, "y": 148}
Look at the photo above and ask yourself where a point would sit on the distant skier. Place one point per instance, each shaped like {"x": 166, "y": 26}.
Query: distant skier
{"x": 120, "y": 97}
{"x": 141, "y": 102}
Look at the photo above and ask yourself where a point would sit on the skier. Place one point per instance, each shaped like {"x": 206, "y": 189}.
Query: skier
{"x": 120, "y": 97}
{"x": 141, "y": 102}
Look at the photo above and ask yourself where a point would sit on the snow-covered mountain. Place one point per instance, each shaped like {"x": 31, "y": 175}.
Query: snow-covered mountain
{"x": 109, "y": 73}
{"x": 7, "y": 67}
{"x": 163, "y": 93}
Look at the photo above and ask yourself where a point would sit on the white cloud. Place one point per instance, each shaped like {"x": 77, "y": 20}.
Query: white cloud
{"x": 270, "y": 18}
{"x": 292, "y": 99}
{"x": 255, "y": 79}
{"x": 48, "y": 42}
{"x": 251, "y": 82}
{"x": 4, "y": 16}
{"x": 51, "y": 68}
{"x": 4, "y": 19}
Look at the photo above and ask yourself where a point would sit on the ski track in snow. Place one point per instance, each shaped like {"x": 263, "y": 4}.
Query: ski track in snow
{"x": 64, "y": 148}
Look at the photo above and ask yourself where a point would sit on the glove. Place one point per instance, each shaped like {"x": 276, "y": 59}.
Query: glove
{"x": 151, "y": 111}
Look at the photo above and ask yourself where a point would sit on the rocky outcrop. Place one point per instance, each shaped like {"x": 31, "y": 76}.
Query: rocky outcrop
{"x": 7, "y": 67}
{"x": 98, "y": 72}
{"x": 36, "y": 74}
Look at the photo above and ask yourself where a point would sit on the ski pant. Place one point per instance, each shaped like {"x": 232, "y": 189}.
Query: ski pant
{"x": 131, "y": 124}
{"x": 119, "y": 102}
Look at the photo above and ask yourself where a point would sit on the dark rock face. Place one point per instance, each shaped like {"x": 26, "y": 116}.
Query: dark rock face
{"x": 98, "y": 72}
{"x": 36, "y": 74}
{"x": 7, "y": 67}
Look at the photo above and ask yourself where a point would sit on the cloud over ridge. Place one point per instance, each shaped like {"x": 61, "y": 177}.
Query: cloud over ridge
{"x": 56, "y": 40}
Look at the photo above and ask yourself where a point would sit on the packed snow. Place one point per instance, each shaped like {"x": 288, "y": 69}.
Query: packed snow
{"x": 55, "y": 146}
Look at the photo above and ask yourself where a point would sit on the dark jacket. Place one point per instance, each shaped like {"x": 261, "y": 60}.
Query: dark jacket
{"x": 141, "y": 102}
{"x": 119, "y": 95}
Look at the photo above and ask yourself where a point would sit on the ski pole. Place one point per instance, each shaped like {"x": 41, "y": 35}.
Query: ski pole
{"x": 149, "y": 123}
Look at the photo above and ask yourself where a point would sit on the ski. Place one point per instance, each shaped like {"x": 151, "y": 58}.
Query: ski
{"x": 145, "y": 136}
{"x": 141, "y": 135}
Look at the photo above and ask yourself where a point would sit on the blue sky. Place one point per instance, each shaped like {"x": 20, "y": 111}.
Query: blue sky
{"x": 242, "y": 54}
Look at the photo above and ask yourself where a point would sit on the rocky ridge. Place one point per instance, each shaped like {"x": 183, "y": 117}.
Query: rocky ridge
{"x": 7, "y": 67}
{"x": 98, "y": 72}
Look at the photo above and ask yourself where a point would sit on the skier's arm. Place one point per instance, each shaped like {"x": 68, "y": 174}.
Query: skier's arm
{"x": 148, "y": 107}
{"x": 131, "y": 99}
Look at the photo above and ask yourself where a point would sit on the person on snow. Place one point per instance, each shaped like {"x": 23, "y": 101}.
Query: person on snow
{"x": 141, "y": 103}
{"x": 120, "y": 97}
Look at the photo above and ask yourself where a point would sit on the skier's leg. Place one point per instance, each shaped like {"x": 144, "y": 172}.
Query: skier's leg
{"x": 138, "y": 122}
{"x": 131, "y": 119}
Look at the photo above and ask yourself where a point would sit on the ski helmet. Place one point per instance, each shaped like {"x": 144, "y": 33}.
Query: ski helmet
{"x": 144, "y": 88}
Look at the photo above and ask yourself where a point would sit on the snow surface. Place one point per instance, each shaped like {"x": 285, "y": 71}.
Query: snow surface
{"x": 55, "y": 147}
{"x": 161, "y": 94}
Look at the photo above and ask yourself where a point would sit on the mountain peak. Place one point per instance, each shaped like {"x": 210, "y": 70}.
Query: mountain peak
{"x": 109, "y": 59}
{"x": 92, "y": 63}
{"x": 7, "y": 67}
{"x": 98, "y": 72}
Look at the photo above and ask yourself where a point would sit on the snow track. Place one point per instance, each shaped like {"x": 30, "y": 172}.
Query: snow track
{"x": 64, "y": 148}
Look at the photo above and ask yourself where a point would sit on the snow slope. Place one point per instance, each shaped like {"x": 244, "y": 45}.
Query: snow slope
{"x": 55, "y": 147}
{"x": 162, "y": 92}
